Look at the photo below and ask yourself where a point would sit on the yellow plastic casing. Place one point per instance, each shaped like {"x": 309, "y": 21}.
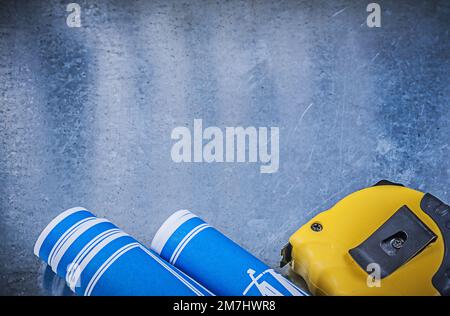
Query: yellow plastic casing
{"x": 323, "y": 260}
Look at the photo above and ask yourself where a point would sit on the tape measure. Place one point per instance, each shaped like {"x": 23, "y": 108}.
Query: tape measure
{"x": 383, "y": 240}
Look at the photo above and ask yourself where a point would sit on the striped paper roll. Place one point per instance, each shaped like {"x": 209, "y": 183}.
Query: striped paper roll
{"x": 97, "y": 258}
{"x": 215, "y": 261}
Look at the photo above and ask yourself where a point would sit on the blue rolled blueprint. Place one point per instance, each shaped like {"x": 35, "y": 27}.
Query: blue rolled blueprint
{"x": 215, "y": 261}
{"x": 95, "y": 257}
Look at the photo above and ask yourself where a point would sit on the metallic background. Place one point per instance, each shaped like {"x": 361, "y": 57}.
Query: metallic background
{"x": 86, "y": 113}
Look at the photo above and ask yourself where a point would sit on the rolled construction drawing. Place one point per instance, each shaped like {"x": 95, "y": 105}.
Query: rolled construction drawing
{"x": 97, "y": 258}
{"x": 215, "y": 261}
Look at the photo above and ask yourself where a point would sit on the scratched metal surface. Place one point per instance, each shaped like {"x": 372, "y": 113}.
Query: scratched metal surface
{"x": 86, "y": 113}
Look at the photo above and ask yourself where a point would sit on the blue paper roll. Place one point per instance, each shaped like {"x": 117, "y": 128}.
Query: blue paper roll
{"x": 95, "y": 257}
{"x": 215, "y": 261}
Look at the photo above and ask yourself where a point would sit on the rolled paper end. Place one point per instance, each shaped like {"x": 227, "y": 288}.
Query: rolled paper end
{"x": 58, "y": 219}
{"x": 168, "y": 228}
